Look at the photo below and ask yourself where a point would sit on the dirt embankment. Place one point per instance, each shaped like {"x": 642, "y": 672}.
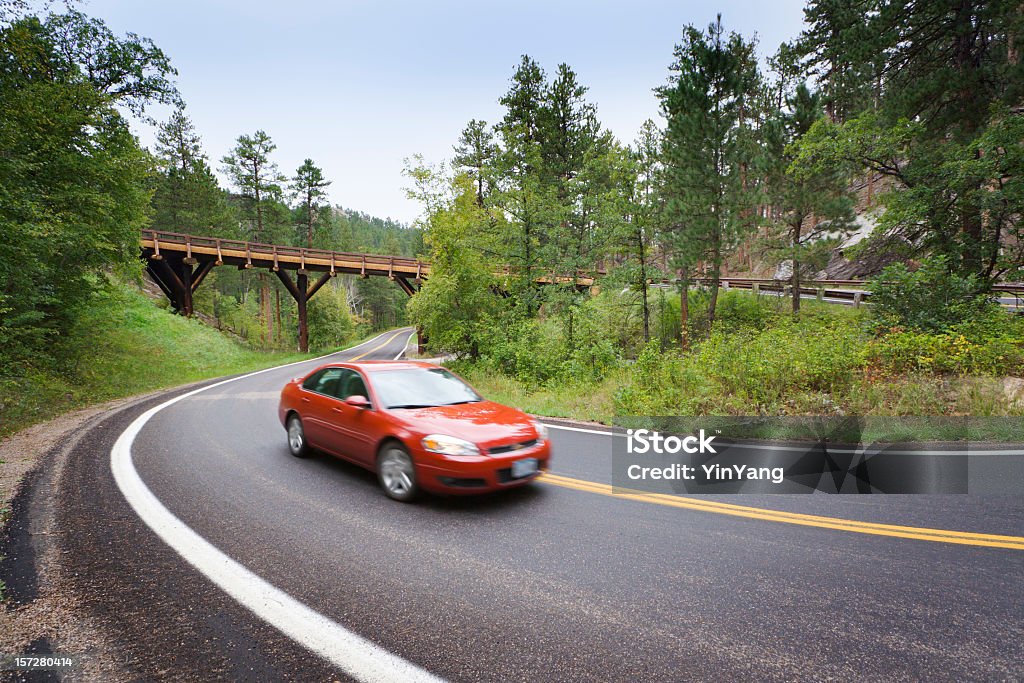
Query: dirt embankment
{"x": 40, "y": 614}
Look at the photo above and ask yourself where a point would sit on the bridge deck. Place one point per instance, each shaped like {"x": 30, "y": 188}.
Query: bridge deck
{"x": 255, "y": 255}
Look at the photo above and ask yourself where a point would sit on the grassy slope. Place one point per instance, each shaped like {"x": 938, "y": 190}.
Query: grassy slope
{"x": 125, "y": 344}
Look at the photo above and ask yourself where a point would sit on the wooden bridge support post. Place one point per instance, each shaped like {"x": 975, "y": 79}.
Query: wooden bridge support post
{"x": 421, "y": 341}
{"x": 302, "y": 293}
{"x": 175, "y": 281}
{"x": 302, "y": 283}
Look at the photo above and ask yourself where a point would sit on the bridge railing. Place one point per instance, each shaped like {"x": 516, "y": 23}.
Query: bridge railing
{"x": 218, "y": 246}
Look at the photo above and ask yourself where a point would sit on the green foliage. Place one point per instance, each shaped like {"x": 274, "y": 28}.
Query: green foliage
{"x": 74, "y": 190}
{"x": 756, "y": 370}
{"x": 924, "y": 94}
{"x": 187, "y": 197}
{"x": 454, "y": 305}
{"x": 119, "y": 345}
{"x": 310, "y": 187}
{"x": 990, "y": 343}
{"x": 257, "y": 179}
{"x": 930, "y": 298}
{"x": 708, "y": 147}
{"x": 330, "y": 322}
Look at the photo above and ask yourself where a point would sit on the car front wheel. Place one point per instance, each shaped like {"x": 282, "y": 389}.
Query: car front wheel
{"x": 396, "y": 473}
{"x": 297, "y": 438}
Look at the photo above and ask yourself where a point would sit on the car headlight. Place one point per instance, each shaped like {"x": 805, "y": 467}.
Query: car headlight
{"x": 542, "y": 430}
{"x": 449, "y": 445}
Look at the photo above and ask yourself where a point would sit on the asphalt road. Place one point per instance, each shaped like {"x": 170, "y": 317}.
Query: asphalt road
{"x": 545, "y": 583}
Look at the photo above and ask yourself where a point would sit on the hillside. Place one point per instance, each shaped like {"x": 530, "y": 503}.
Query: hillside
{"x": 123, "y": 343}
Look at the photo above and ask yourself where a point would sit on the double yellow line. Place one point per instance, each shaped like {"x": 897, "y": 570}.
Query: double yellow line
{"x": 916, "y": 533}
{"x": 379, "y": 346}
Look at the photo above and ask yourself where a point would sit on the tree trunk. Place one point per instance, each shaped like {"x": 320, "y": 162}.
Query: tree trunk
{"x": 280, "y": 328}
{"x": 309, "y": 221}
{"x": 684, "y": 312}
{"x": 643, "y": 284}
{"x": 795, "y": 279}
{"x": 716, "y": 275}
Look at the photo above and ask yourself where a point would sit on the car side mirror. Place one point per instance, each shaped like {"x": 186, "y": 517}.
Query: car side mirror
{"x": 357, "y": 401}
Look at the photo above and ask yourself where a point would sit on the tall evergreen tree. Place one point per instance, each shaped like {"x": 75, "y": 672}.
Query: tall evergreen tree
{"x": 187, "y": 197}
{"x": 705, "y": 150}
{"x": 310, "y": 187}
{"x": 475, "y": 153}
{"x": 255, "y": 176}
{"x": 258, "y": 181}
{"x": 949, "y": 88}
{"x": 808, "y": 205}
{"x": 524, "y": 196}
{"x": 647, "y": 210}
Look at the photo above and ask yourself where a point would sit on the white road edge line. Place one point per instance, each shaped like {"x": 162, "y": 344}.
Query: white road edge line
{"x": 348, "y": 651}
{"x": 406, "y": 347}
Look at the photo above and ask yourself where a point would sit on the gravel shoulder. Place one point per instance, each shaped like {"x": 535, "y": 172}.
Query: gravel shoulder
{"x": 41, "y": 612}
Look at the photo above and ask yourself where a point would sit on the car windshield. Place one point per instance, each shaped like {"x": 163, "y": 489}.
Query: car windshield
{"x": 421, "y": 388}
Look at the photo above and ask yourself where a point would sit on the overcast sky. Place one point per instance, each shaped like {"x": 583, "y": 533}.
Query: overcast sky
{"x": 358, "y": 86}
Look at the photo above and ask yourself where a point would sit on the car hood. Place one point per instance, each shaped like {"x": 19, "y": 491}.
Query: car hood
{"x": 484, "y": 423}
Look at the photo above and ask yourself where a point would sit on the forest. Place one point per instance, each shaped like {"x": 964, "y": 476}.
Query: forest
{"x": 898, "y": 119}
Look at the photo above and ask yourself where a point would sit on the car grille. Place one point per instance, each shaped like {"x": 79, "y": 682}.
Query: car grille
{"x": 509, "y": 448}
{"x": 459, "y": 482}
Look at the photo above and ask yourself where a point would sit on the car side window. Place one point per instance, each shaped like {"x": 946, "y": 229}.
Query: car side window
{"x": 312, "y": 380}
{"x": 351, "y": 384}
{"x": 324, "y": 382}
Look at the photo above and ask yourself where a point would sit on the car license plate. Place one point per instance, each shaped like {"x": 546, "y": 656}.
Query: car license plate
{"x": 524, "y": 468}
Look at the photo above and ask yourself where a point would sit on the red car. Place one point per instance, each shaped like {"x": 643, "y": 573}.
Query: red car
{"x": 417, "y": 425}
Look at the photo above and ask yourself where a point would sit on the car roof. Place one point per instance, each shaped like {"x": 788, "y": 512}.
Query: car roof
{"x": 380, "y": 365}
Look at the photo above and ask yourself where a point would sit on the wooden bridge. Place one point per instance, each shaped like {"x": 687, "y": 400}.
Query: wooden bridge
{"x": 178, "y": 263}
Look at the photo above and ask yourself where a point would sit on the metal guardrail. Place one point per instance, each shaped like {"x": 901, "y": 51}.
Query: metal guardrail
{"x": 844, "y": 291}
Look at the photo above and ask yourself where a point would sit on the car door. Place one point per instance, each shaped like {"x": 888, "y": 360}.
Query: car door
{"x": 316, "y": 403}
{"x": 353, "y": 429}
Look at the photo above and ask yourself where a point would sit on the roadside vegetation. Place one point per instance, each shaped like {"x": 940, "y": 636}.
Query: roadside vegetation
{"x": 122, "y": 344}
{"x": 754, "y": 168}
{"x": 76, "y": 189}
{"x": 757, "y": 359}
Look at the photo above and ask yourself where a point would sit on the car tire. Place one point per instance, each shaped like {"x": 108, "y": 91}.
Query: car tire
{"x": 297, "y": 443}
{"x": 396, "y": 472}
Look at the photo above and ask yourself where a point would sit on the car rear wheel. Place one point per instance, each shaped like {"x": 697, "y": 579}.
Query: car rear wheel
{"x": 297, "y": 438}
{"x": 396, "y": 473}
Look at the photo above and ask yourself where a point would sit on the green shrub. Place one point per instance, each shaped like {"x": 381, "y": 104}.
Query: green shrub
{"x": 752, "y": 371}
{"x": 930, "y": 298}
{"x": 767, "y": 365}
{"x": 990, "y": 344}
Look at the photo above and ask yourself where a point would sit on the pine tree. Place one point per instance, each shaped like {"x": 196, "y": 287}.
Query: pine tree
{"x": 310, "y": 187}
{"x": 647, "y": 211}
{"x": 475, "y": 153}
{"x": 809, "y": 205}
{"x": 707, "y": 149}
{"x": 254, "y": 175}
{"x": 258, "y": 180}
{"x": 948, "y": 84}
{"x": 187, "y": 197}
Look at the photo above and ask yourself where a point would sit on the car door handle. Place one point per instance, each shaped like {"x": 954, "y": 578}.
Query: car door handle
{"x": 336, "y": 410}
{"x": 305, "y": 400}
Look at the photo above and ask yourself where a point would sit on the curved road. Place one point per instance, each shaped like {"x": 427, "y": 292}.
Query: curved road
{"x": 553, "y": 582}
